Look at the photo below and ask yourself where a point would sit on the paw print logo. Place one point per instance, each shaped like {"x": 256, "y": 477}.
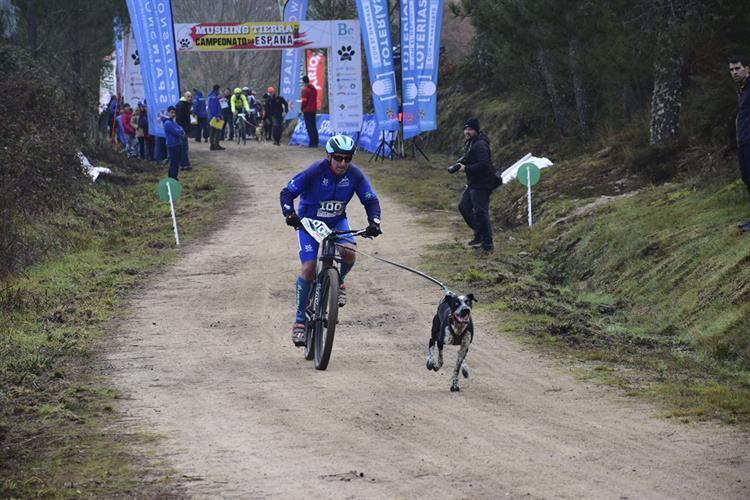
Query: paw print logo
{"x": 185, "y": 43}
{"x": 345, "y": 53}
{"x": 136, "y": 58}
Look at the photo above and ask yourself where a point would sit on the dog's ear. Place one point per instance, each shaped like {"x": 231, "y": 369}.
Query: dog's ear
{"x": 471, "y": 297}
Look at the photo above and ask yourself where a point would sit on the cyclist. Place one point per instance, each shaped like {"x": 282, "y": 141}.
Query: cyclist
{"x": 237, "y": 103}
{"x": 325, "y": 188}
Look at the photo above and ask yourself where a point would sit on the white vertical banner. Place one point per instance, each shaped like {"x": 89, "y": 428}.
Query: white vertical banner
{"x": 108, "y": 82}
{"x": 132, "y": 86}
{"x": 345, "y": 77}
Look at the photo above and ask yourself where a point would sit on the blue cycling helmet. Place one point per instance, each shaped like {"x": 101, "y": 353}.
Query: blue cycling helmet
{"x": 340, "y": 144}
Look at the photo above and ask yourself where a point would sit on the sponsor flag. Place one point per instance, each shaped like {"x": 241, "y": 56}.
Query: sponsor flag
{"x": 376, "y": 33}
{"x": 154, "y": 34}
{"x": 410, "y": 116}
{"x": 119, "y": 53}
{"x": 316, "y": 72}
{"x": 428, "y": 17}
{"x": 345, "y": 77}
{"x": 132, "y": 82}
{"x": 291, "y": 60}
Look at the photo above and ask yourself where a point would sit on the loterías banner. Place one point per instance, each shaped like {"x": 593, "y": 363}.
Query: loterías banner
{"x": 376, "y": 33}
{"x": 409, "y": 89}
{"x": 291, "y": 60}
{"x": 154, "y": 34}
{"x": 420, "y": 52}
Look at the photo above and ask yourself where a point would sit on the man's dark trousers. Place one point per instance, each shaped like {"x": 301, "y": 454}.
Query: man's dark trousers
{"x": 474, "y": 207}
{"x": 184, "y": 161}
{"x": 201, "y": 130}
{"x": 312, "y": 128}
{"x": 744, "y": 155}
{"x": 277, "y": 125}
{"x": 214, "y": 137}
{"x": 227, "y": 112}
{"x": 174, "y": 153}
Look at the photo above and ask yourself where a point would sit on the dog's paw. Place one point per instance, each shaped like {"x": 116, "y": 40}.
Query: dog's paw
{"x": 455, "y": 388}
{"x": 430, "y": 364}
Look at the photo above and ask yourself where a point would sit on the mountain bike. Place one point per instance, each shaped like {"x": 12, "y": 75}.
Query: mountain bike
{"x": 240, "y": 131}
{"x": 321, "y": 314}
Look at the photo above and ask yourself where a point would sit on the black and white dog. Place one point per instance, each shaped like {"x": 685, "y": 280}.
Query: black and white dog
{"x": 452, "y": 325}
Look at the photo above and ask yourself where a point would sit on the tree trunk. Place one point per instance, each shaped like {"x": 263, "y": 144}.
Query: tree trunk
{"x": 666, "y": 99}
{"x": 581, "y": 88}
{"x": 542, "y": 61}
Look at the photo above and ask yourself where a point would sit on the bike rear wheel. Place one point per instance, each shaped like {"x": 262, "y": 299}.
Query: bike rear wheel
{"x": 326, "y": 316}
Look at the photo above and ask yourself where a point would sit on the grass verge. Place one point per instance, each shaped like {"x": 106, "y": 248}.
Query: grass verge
{"x": 644, "y": 285}
{"x": 59, "y": 433}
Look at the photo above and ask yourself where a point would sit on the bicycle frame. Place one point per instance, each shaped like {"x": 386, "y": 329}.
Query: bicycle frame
{"x": 321, "y": 313}
{"x": 327, "y": 259}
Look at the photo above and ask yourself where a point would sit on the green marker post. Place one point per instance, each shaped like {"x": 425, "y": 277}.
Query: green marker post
{"x": 528, "y": 175}
{"x": 170, "y": 189}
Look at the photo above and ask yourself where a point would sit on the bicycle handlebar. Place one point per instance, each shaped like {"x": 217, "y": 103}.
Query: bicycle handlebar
{"x": 353, "y": 232}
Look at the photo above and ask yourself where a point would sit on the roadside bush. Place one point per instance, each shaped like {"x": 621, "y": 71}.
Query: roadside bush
{"x": 38, "y": 168}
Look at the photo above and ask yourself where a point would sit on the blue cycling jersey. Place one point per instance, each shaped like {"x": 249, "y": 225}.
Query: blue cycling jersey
{"x": 324, "y": 196}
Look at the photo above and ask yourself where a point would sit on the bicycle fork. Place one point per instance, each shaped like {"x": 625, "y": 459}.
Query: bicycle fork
{"x": 312, "y": 305}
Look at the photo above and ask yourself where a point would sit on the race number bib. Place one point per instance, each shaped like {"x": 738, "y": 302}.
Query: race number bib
{"x": 315, "y": 228}
{"x": 331, "y": 208}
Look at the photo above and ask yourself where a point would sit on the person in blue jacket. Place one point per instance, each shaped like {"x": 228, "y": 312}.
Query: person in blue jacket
{"x": 199, "y": 110}
{"x": 174, "y": 134}
{"x": 324, "y": 189}
{"x": 214, "y": 111}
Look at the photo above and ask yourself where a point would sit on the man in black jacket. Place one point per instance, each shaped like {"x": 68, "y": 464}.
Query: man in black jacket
{"x": 184, "y": 109}
{"x": 276, "y": 108}
{"x": 480, "y": 181}
{"x": 739, "y": 68}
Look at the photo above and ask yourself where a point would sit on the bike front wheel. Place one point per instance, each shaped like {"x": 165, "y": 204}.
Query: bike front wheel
{"x": 327, "y": 313}
{"x": 310, "y": 327}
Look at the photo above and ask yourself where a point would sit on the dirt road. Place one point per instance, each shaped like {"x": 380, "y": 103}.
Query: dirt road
{"x": 206, "y": 358}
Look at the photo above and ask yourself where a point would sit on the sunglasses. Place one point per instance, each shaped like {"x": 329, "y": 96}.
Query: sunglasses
{"x": 347, "y": 159}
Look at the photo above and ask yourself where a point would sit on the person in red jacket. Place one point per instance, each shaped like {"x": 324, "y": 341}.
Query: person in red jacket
{"x": 309, "y": 108}
{"x": 127, "y": 128}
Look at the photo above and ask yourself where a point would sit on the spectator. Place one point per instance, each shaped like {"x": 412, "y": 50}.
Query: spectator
{"x": 266, "y": 118}
{"x": 126, "y": 119}
{"x": 175, "y": 139}
{"x": 199, "y": 110}
{"x": 147, "y": 145}
{"x": 226, "y": 111}
{"x": 112, "y": 109}
{"x": 214, "y": 115}
{"x": 276, "y": 108}
{"x": 182, "y": 118}
{"x": 250, "y": 96}
{"x": 480, "y": 181}
{"x": 739, "y": 69}
{"x": 140, "y": 135}
{"x": 309, "y": 109}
